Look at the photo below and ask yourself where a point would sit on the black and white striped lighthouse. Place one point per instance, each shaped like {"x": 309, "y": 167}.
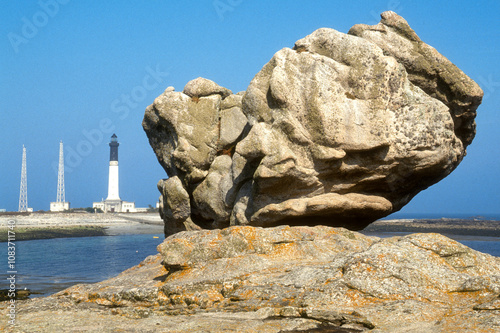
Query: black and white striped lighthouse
{"x": 113, "y": 188}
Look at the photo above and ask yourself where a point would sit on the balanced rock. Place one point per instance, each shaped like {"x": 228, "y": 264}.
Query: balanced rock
{"x": 341, "y": 130}
{"x": 284, "y": 279}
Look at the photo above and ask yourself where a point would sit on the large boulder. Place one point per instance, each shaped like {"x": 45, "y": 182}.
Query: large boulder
{"x": 341, "y": 130}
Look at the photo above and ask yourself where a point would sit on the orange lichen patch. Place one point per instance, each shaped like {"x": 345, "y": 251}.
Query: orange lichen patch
{"x": 244, "y": 231}
{"x": 286, "y": 250}
{"x": 195, "y": 99}
{"x": 241, "y": 295}
{"x": 109, "y": 302}
{"x": 215, "y": 242}
{"x": 178, "y": 275}
{"x": 354, "y": 298}
{"x": 369, "y": 268}
{"x": 177, "y": 299}
{"x": 365, "y": 267}
{"x": 180, "y": 243}
{"x": 193, "y": 299}
{"x": 101, "y": 301}
{"x": 209, "y": 297}
{"x": 468, "y": 299}
{"x": 464, "y": 308}
{"x": 162, "y": 298}
{"x": 455, "y": 325}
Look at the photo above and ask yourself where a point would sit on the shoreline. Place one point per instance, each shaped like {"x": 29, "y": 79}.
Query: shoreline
{"x": 445, "y": 226}
{"x": 32, "y": 233}
{"x": 63, "y": 225}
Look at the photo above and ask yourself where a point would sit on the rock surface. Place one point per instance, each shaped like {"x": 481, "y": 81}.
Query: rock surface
{"x": 284, "y": 279}
{"x": 345, "y": 128}
{"x": 427, "y": 69}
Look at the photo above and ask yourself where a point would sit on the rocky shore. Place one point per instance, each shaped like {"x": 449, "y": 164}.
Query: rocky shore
{"x": 283, "y": 279}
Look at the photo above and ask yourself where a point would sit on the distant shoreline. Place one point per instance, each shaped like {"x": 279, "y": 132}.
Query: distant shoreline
{"x": 33, "y": 233}
{"x": 46, "y": 226}
{"x": 449, "y": 226}
{"x": 62, "y": 225}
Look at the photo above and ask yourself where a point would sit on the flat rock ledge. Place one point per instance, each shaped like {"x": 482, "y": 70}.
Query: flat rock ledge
{"x": 283, "y": 279}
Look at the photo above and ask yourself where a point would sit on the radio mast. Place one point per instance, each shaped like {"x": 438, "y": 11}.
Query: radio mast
{"x": 23, "y": 192}
{"x": 60, "y": 205}
{"x": 61, "y": 196}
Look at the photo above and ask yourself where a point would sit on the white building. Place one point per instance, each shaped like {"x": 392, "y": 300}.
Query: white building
{"x": 59, "y": 206}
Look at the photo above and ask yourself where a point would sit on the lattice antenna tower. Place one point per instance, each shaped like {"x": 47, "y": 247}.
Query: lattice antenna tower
{"x": 23, "y": 192}
{"x": 61, "y": 196}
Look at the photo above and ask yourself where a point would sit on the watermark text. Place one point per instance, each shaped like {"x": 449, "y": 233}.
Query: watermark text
{"x": 11, "y": 271}
{"x": 223, "y": 6}
{"x": 31, "y": 26}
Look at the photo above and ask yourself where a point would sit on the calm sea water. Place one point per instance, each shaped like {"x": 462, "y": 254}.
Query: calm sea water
{"x": 50, "y": 265}
{"x": 46, "y": 266}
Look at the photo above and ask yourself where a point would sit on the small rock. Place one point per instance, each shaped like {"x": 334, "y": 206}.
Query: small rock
{"x": 201, "y": 87}
{"x": 232, "y": 124}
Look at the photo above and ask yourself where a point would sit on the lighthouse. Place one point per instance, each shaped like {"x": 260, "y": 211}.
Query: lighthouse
{"x": 113, "y": 179}
{"x": 113, "y": 203}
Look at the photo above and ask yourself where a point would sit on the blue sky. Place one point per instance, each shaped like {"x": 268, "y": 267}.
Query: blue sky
{"x": 79, "y": 71}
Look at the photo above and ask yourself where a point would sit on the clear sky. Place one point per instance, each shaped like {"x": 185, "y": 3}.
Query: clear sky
{"x": 79, "y": 71}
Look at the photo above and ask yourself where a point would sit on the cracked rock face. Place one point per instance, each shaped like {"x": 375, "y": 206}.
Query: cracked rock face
{"x": 341, "y": 130}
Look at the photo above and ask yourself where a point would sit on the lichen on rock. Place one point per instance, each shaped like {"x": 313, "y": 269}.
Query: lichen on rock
{"x": 340, "y": 130}
{"x": 282, "y": 279}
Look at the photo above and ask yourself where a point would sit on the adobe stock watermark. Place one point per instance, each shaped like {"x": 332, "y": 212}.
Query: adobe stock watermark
{"x": 392, "y": 5}
{"x": 223, "y": 6}
{"x": 150, "y": 82}
{"x": 31, "y": 26}
{"x": 11, "y": 271}
{"x": 488, "y": 85}
{"x": 122, "y": 106}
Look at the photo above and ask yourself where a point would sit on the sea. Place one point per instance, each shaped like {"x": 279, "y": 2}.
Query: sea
{"x": 47, "y": 266}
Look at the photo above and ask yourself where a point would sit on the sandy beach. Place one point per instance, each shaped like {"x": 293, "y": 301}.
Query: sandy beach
{"x": 81, "y": 224}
